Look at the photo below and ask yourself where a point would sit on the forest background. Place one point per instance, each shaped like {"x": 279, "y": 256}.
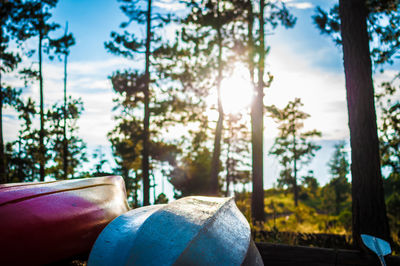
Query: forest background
{"x": 304, "y": 63}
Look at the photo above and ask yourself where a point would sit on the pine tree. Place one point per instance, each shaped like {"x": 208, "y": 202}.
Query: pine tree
{"x": 43, "y": 29}
{"x": 292, "y": 146}
{"x": 61, "y": 47}
{"x": 12, "y": 31}
{"x": 360, "y": 23}
{"x": 237, "y": 151}
{"x": 202, "y": 59}
{"x": 389, "y": 128}
{"x": 130, "y": 46}
{"x": 339, "y": 169}
{"x": 369, "y": 211}
{"x": 258, "y": 17}
{"x": 56, "y": 119}
{"x": 126, "y": 138}
{"x": 22, "y": 154}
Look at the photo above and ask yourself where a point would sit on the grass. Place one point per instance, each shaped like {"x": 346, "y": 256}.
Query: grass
{"x": 282, "y": 215}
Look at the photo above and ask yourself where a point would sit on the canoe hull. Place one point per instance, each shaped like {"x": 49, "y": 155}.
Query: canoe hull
{"x": 189, "y": 231}
{"x": 50, "y": 221}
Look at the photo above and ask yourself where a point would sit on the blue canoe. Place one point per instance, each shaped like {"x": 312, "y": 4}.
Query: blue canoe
{"x": 189, "y": 231}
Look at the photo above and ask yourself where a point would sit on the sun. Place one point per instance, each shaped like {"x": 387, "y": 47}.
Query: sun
{"x": 236, "y": 91}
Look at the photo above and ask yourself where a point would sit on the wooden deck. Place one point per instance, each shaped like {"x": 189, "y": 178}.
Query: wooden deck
{"x": 282, "y": 255}
{"x": 277, "y": 254}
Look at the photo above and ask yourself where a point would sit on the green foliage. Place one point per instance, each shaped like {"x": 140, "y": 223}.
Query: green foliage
{"x": 23, "y": 154}
{"x": 192, "y": 175}
{"x": 328, "y": 203}
{"x": 292, "y": 146}
{"x": 389, "y": 140}
{"x": 392, "y": 187}
{"x": 283, "y": 215}
{"x": 61, "y": 45}
{"x": 127, "y": 44}
{"x": 34, "y": 17}
{"x": 237, "y": 151}
{"x": 13, "y": 28}
{"x": 161, "y": 199}
{"x": 55, "y": 144}
{"x": 10, "y": 96}
{"x": 389, "y": 127}
{"x": 345, "y": 219}
{"x": 383, "y": 24}
{"x": 338, "y": 191}
{"x": 132, "y": 137}
{"x": 391, "y": 184}
{"x": 311, "y": 183}
{"x": 127, "y": 136}
{"x": 393, "y": 211}
{"x": 100, "y": 162}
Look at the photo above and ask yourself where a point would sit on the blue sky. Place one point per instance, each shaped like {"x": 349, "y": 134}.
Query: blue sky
{"x": 304, "y": 64}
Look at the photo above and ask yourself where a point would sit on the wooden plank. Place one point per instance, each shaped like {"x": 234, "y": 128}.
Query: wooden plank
{"x": 279, "y": 254}
{"x": 276, "y": 254}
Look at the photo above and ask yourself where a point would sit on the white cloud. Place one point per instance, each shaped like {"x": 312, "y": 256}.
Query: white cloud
{"x": 169, "y": 5}
{"x": 98, "y": 67}
{"x": 298, "y": 5}
{"x": 87, "y": 80}
{"x": 303, "y": 5}
{"x": 322, "y": 93}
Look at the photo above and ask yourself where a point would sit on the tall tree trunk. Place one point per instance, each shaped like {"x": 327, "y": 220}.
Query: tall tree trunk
{"x": 369, "y": 211}
{"x": 257, "y": 126}
{"x": 135, "y": 195}
{"x": 65, "y": 141}
{"x": 228, "y": 162}
{"x": 42, "y": 152}
{"x": 218, "y": 130}
{"x": 295, "y": 187}
{"x": 3, "y": 173}
{"x": 146, "y": 121}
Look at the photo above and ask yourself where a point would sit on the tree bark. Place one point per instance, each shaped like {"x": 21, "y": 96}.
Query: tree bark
{"x": 228, "y": 164}
{"x": 295, "y": 188}
{"x": 146, "y": 120}
{"x": 65, "y": 146}
{"x": 369, "y": 211}
{"x": 257, "y": 126}
{"x": 3, "y": 173}
{"x": 214, "y": 189}
{"x": 42, "y": 152}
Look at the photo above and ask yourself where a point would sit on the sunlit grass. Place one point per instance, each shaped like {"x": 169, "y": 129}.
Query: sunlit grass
{"x": 282, "y": 215}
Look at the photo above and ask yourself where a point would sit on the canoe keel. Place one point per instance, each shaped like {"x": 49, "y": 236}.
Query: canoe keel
{"x": 189, "y": 231}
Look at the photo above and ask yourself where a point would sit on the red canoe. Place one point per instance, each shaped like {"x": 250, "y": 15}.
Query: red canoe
{"x": 46, "y": 222}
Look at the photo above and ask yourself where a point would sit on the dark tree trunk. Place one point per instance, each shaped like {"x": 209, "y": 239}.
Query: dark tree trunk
{"x": 295, "y": 187}
{"x": 257, "y": 126}
{"x": 65, "y": 146}
{"x": 42, "y": 152}
{"x": 369, "y": 211}
{"x": 146, "y": 120}
{"x": 215, "y": 163}
{"x": 3, "y": 173}
{"x": 228, "y": 162}
{"x": 135, "y": 195}
{"x": 218, "y": 130}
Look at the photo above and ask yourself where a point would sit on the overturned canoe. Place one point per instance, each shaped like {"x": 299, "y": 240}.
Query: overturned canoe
{"x": 189, "y": 231}
{"x": 49, "y": 221}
